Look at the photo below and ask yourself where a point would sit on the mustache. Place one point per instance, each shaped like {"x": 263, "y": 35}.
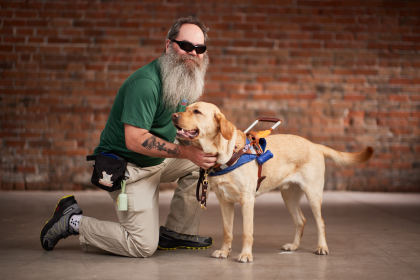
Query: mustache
{"x": 183, "y": 58}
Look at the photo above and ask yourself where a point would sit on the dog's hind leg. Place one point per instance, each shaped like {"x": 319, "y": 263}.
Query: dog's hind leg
{"x": 315, "y": 202}
{"x": 227, "y": 209}
{"x": 291, "y": 196}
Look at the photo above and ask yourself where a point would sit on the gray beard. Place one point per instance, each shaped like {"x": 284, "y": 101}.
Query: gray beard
{"x": 182, "y": 79}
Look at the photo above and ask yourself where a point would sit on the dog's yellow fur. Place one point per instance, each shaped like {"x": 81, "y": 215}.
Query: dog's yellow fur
{"x": 297, "y": 168}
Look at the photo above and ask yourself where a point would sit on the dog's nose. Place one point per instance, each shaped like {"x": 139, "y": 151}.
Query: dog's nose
{"x": 175, "y": 117}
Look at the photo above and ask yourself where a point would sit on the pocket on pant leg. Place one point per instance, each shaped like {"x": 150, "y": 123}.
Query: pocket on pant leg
{"x": 143, "y": 193}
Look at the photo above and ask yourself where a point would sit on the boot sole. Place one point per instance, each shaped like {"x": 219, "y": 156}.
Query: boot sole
{"x": 184, "y": 247}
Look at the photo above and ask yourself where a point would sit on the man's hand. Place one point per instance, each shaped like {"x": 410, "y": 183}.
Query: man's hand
{"x": 197, "y": 156}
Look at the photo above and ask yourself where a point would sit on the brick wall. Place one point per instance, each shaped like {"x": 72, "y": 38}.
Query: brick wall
{"x": 341, "y": 73}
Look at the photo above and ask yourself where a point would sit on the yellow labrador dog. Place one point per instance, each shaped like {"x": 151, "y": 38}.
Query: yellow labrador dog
{"x": 297, "y": 168}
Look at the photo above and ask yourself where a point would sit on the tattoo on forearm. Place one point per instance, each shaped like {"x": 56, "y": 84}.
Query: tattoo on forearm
{"x": 152, "y": 143}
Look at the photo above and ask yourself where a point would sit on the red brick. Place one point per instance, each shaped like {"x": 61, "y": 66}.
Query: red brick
{"x": 399, "y": 98}
{"x": 400, "y": 149}
{"x": 400, "y": 81}
{"x": 352, "y": 97}
{"x": 15, "y": 143}
{"x": 26, "y": 169}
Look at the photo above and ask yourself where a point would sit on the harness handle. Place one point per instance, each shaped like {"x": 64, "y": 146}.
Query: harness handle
{"x": 268, "y": 119}
{"x": 264, "y": 119}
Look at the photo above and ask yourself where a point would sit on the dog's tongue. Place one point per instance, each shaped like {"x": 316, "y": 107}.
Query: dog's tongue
{"x": 186, "y": 133}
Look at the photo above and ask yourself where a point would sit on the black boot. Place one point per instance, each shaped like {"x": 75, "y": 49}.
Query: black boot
{"x": 171, "y": 240}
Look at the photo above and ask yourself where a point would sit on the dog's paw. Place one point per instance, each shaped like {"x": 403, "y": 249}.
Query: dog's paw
{"x": 322, "y": 251}
{"x": 289, "y": 247}
{"x": 220, "y": 254}
{"x": 245, "y": 258}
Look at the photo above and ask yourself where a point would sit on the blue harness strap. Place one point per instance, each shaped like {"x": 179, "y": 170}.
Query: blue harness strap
{"x": 245, "y": 158}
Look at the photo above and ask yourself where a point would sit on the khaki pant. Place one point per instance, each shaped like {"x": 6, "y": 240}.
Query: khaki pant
{"x": 137, "y": 232}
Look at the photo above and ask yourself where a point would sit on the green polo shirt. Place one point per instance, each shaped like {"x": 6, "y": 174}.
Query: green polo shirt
{"x": 138, "y": 103}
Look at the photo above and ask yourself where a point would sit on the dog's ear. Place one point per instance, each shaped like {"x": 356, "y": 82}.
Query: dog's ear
{"x": 226, "y": 127}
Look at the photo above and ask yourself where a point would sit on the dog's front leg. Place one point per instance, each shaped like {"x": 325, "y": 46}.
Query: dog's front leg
{"x": 227, "y": 209}
{"x": 248, "y": 230}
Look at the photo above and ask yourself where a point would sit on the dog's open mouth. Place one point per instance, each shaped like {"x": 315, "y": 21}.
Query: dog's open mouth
{"x": 186, "y": 134}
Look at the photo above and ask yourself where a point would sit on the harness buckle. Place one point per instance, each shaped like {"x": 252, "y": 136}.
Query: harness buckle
{"x": 206, "y": 180}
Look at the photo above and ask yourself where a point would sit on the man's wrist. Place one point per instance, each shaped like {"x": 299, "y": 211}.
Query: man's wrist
{"x": 182, "y": 151}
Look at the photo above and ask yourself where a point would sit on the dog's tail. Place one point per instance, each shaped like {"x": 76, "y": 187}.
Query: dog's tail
{"x": 343, "y": 158}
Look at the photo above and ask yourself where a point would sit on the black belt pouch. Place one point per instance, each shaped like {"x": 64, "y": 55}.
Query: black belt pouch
{"x": 108, "y": 171}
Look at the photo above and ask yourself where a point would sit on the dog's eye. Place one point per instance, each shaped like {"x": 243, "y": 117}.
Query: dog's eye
{"x": 196, "y": 111}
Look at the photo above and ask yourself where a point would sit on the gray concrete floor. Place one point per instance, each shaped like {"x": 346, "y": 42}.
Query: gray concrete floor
{"x": 370, "y": 236}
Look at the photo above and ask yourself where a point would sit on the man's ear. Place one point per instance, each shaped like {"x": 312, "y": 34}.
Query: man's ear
{"x": 226, "y": 127}
{"x": 168, "y": 42}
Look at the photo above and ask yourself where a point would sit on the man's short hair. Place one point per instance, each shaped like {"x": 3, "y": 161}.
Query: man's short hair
{"x": 173, "y": 32}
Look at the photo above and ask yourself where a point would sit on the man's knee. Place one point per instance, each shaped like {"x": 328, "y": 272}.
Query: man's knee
{"x": 143, "y": 247}
{"x": 144, "y": 252}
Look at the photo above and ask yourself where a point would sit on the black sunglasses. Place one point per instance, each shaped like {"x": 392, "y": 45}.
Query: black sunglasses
{"x": 188, "y": 47}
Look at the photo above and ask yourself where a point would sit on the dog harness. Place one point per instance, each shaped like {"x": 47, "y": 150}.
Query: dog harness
{"x": 254, "y": 149}
{"x": 249, "y": 154}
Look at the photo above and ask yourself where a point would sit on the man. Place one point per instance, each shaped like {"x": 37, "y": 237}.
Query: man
{"x": 140, "y": 130}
